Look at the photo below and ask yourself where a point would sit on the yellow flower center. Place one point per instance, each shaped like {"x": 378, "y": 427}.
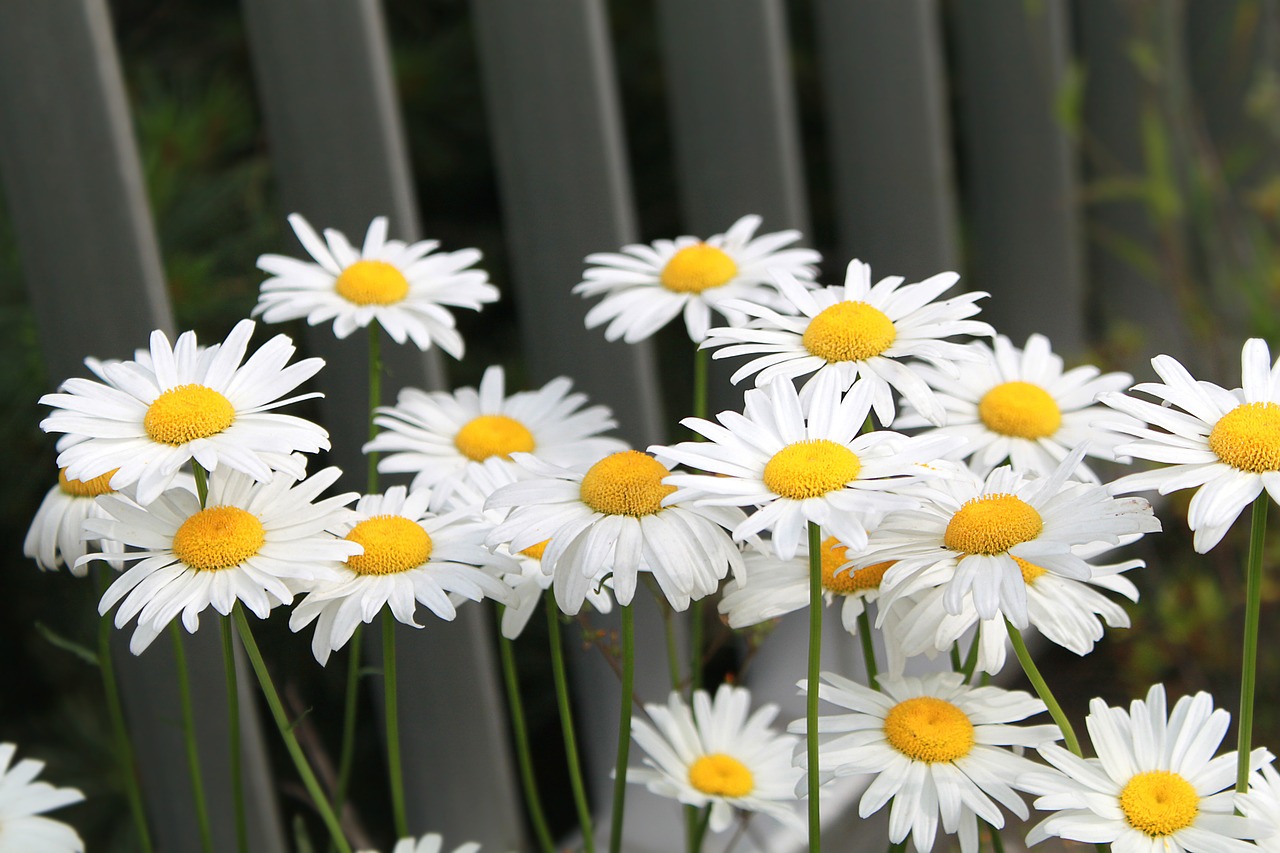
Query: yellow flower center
{"x": 992, "y": 524}
{"x": 696, "y": 268}
{"x": 219, "y": 537}
{"x": 536, "y": 551}
{"x": 1030, "y": 571}
{"x": 1159, "y": 803}
{"x": 811, "y": 469}
{"x": 186, "y": 413}
{"x": 720, "y": 775}
{"x": 392, "y": 544}
{"x": 929, "y": 729}
{"x": 493, "y": 435}
{"x": 835, "y": 555}
{"x": 372, "y": 283}
{"x": 86, "y": 488}
{"x": 849, "y": 331}
{"x": 626, "y": 483}
{"x": 1021, "y": 410}
{"x": 1248, "y": 437}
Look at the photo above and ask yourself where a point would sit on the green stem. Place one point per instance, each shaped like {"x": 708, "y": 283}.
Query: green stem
{"x": 566, "y": 725}
{"x": 115, "y": 710}
{"x": 202, "y": 482}
{"x": 1249, "y": 664}
{"x": 700, "y": 828}
{"x": 515, "y": 706}
{"x": 350, "y": 711}
{"x": 375, "y": 400}
{"x": 956, "y": 664}
{"x": 393, "y": 724}
{"x": 1042, "y": 689}
{"x": 624, "y": 728}
{"x": 286, "y": 730}
{"x": 971, "y": 660}
{"x": 997, "y": 843}
{"x": 815, "y": 671}
{"x": 868, "y": 649}
{"x": 697, "y": 622}
{"x": 189, "y": 734}
{"x": 233, "y": 725}
{"x": 898, "y": 847}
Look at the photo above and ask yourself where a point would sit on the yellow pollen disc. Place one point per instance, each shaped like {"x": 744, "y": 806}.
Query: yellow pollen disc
{"x": 696, "y": 268}
{"x": 835, "y": 555}
{"x": 186, "y": 413}
{"x": 1030, "y": 571}
{"x": 1159, "y": 803}
{"x": 1021, "y": 410}
{"x": 219, "y": 537}
{"x": 849, "y": 331}
{"x": 536, "y": 551}
{"x": 929, "y": 729}
{"x": 392, "y": 544}
{"x": 493, "y": 435}
{"x": 372, "y": 283}
{"x": 992, "y": 524}
{"x": 720, "y": 775}
{"x": 86, "y": 488}
{"x": 811, "y": 469}
{"x": 626, "y": 483}
{"x": 1248, "y": 438}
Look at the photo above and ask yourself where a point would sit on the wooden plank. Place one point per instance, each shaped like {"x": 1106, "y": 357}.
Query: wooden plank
{"x": 1019, "y": 176}
{"x": 74, "y": 185}
{"x": 889, "y": 134}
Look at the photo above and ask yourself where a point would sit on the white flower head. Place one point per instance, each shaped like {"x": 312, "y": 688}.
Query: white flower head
{"x": 55, "y": 537}
{"x": 1262, "y": 806}
{"x": 146, "y": 420}
{"x": 720, "y": 754}
{"x": 858, "y": 332}
{"x": 251, "y": 543}
{"x": 1224, "y": 443}
{"x": 23, "y": 802}
{"x": 404, "y": 287}
{"x": 1155, "y": 785}
{"x": 647, "y": 286}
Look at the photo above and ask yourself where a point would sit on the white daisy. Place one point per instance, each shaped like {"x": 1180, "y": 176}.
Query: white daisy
{"x": 938, "y": 749}
{"x": 984, "y": 530}
{"x": 22, "y": 802}
{"x": 802, "y": 462}
{"x": 437, "y": 436}
{"x": 145, "y": 422}
{"x": 645, "y": 287}
{"x": 55, "y": 536}
{"x": 616, "y": 518}
{"x": 400, "y": 285}
{"x": 718, "y": 756}
{"x": 251, "y": 542}
{"x": 1224, "y": 443}
{"x": 1262, "y": 806}
{"x": 1020, "y": 407}
{"x": 858, "y": 332}
{"x": 1155, "y": 785}
{"x": 409, "y": 556}
{"x": 430, "y": 843}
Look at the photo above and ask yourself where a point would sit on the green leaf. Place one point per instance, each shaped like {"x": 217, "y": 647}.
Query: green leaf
{"x": 60, "y": 642}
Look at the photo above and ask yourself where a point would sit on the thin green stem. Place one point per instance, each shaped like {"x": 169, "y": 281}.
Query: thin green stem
{"x": 270, "y": 693}
{"x": 202, "y": 482}
{"x": 697, "y": 620}
{"x": 956, "y": 664}
{"x": 702, "y": 819}
{"x": 394, "y": 770}
{"x": 815, "y": 671}
{"x": 1042, "y": 689}
{"x": 375, "y": 400}
{"x": 350, "y": 712}
{"x": 971, "y": 660}
{"x": 189, "y": 735}
{"x": 624, "y": 728}
{"x": 1249, "y": 662}
{"x": 233, "y": 733}
{"x": 868, "y": 649}
{"x": 115, "y": 710}
{"x": 997, "y": 843}
{"x": 899, "y": 847}
{"x": 524, "y": 757}
{"x": 566, "y": 725}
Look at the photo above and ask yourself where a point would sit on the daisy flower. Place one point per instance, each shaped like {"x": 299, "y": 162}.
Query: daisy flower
{"x": 719, "y": 754}
{"x": 617, "y": 518}
{"x": 402, "y": 286}
{"x": 54, "y": 538}
{"x": 939, "y": 750}
{"x": 22, "y": 802}
{"x": 146, "y": 421}
{"x": 1021, "y": 407}
{"x": 430, "y": 843}
{"x": 645, "y": 287}
{"x": 1155, "y": 785}
{"x": 985, "y": 531}
{"x": 801, "y": 461}
{"x": 409, "y": 556}
{"x": 1262, "y": 806}
{"x": 249, "y": 544}
{"x": 1224, "y": 443}
{"x": 857, "y": 332}
{"x": 437, "y": 436}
